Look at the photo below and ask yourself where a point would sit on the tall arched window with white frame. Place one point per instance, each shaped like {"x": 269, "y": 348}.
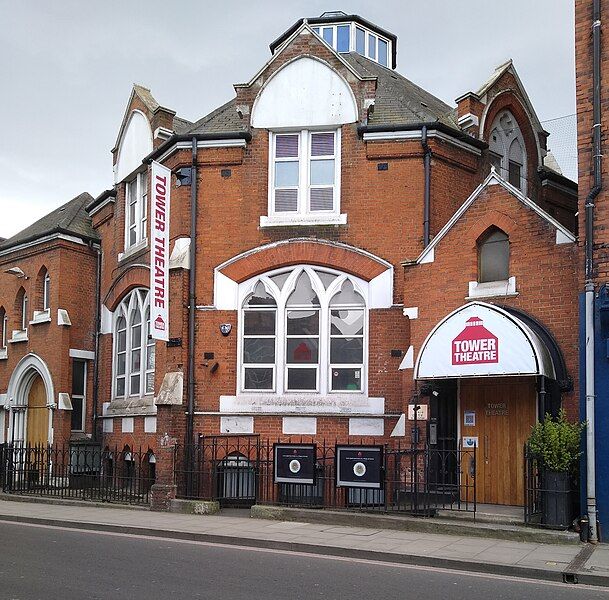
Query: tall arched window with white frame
{"x": 303, "y": 331}
{"x": 134, "y": 355}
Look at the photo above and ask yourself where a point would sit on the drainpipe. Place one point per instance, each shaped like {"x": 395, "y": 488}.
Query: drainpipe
{"x": 589, "y": 272}
{"x": 192, "y": 304}
{"x": 426, "y": 195}
{"x": 97, "y": 335}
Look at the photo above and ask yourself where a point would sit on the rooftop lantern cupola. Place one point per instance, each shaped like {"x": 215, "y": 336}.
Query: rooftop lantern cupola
{"x": 349, "y": 33}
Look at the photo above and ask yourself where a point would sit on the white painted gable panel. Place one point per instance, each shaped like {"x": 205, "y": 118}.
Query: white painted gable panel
{"x": 135, "y": 144}
{"x": 305, "y": 93}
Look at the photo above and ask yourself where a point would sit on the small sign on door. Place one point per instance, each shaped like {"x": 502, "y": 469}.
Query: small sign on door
{"x": 469, "y": 418}
{"x": 470, "y": 442}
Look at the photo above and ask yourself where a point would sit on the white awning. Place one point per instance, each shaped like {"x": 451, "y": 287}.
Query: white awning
{"x": 482, "y": 340}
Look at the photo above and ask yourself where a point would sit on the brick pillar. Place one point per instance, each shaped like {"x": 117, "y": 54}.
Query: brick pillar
{"x": 164, "y": 489}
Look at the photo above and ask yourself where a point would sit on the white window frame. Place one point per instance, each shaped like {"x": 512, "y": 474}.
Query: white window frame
{"x": 83, "y": 396}
{"x": 502, "y": 146}
{"x": 137, "y": 299}
{"x": 141, "y": 210}
{"x": 353, "y": 37}
{"x": 24, "y": 311}
{"x": 281, "y": 296}
{"x": 46, "y": 292}
{"x": 304, "y": 214}
{"x": 4, "y": 336}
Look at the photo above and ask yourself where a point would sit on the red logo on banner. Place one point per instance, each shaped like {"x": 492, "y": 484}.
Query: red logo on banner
{"x": 159, "y": 323}
{"x": 475, "y": 345}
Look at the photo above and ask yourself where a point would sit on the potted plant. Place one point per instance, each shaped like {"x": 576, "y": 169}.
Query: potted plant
{"x": 555, "y": 443}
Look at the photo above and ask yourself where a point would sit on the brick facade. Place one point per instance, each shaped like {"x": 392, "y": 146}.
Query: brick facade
{"x": 382, "y": 188}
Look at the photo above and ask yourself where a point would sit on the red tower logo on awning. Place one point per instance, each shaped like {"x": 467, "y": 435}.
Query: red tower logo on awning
{"x": 475, "y": 345}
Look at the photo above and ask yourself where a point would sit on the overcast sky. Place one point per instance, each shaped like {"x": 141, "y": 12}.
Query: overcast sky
{"x": 67, "y": 66}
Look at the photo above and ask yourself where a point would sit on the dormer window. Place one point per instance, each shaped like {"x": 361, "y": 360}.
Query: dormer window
{"x": 136, "y": 199}
{"x": 304, "y": 175}
{"x": 349, "y": 37}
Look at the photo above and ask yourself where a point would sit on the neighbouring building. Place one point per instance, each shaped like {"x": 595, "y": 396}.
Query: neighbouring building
{"x": 360, "y": 247}
{"x": 592, "y": 74}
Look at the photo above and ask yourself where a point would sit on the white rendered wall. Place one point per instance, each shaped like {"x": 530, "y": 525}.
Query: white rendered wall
{"x": 135, "y": 144}
{"x": 304, "y": 93}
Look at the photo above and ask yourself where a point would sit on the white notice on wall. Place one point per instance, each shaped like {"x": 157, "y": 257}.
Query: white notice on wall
{"x": 159, "y": 251}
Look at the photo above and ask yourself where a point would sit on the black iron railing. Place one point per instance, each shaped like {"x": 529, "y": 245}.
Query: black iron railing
{"x": 83, "y": 471}
{"x": 239, "y": 471}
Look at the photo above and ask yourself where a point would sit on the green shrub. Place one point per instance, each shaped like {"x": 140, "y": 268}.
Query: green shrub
{"x": 556, "y": 442}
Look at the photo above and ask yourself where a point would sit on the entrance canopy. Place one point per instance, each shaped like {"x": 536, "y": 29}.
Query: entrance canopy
{"x": 483, "y": 340}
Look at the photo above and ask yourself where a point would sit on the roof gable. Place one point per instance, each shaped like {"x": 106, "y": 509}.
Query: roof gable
{"x": 563, "y": 235}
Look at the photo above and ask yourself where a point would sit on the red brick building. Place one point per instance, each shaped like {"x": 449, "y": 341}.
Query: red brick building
{"x": 346, "y": 222}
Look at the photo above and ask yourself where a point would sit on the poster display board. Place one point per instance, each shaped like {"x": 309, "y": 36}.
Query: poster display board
{"x": 359, "y": 466}
{"x": 294, "y": 463}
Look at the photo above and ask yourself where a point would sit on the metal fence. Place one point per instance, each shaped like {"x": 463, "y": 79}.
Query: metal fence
{"x": 78, "y": 471}
{"x": 551, "y": 499}
{"x": 239, "y": 471}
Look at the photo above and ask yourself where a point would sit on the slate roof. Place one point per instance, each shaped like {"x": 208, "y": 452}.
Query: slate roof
{"x": 398, "y": 101}
{"x": 222, "y": 119}
{"x": 71, "y": 218}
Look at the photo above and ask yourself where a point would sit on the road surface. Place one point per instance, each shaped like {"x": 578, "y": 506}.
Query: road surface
{"x": 44, "y": 562}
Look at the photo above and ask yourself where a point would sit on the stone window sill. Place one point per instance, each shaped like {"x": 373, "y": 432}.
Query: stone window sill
{"x": 133, "y": 250}
{"x": 19, "y": 335}
{"x": 302, "y": 220}
{"x": 41, "y": 316}
{"x": 492, "y": 289}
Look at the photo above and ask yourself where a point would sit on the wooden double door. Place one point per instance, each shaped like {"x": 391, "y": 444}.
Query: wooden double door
{"x": 498, "y": 413}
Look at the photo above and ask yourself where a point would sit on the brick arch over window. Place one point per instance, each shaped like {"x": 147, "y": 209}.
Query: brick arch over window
{"x": 313, "y": 252}
{"x": 134, "y": 277}
{"x": 508, "y": 101}
{"x": 492, "y": 219}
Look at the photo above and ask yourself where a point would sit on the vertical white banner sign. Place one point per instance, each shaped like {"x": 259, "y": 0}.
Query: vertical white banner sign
{"x": 159, "y": 251}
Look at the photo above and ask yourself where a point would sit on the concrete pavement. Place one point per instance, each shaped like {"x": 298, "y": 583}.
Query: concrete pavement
{"x": 553, "y": 562}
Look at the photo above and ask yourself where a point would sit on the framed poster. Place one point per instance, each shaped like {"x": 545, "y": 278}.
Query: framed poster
{"x": 359, "y": 466}
{"x": 294, "y": 463}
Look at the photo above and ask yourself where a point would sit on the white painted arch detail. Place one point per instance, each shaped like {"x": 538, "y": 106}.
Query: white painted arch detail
{"x": 135, "y": 144}
{"x": 304, "y": 93}
{"x": 24, "y": 374}
{"x": 519, "y": 350}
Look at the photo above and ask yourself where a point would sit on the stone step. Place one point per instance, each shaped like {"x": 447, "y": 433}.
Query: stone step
{"x": 401, "y": 522}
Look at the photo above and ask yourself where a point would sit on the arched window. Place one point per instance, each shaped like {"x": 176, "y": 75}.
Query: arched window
{"x": 21, "y": 310}
{"x": 3, "y": 329}
{"x": 42, "y": 300}
{"x": 133, "y": 346}
{"x": 303, "y": 331}
{"x": 46, "y": 292}
{"x": 507, "y": 150}
{"x": 493, "y": 256}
